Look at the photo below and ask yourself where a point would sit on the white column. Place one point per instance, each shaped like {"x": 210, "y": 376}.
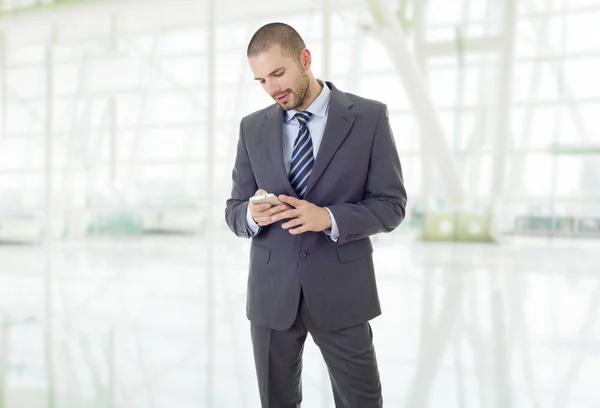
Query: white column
{"x": 48, "y": 136}
{"x": 427, "y": 163}
{"x": 49, "y": 212}
{"x": 504, "y": 104}
{"x": 113, "y": 109}
{"x": 3, "y": 83}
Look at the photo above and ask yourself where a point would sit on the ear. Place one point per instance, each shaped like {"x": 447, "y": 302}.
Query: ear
{"x": 305, "y": 59}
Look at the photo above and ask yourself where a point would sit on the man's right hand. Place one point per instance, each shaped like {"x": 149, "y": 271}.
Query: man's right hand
{"x": 261, "y": 213}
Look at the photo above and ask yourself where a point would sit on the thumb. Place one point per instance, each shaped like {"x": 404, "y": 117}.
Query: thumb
{"x": 260, "y": 192}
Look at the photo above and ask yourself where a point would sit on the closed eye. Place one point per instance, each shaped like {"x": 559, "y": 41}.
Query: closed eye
{"x": 277, "y": 73}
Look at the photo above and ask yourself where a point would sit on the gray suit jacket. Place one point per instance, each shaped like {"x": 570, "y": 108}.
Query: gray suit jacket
{"x": 357, "y": 175}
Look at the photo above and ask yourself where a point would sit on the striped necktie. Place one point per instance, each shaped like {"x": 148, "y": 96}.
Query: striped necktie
{"x": 302, "y": 156}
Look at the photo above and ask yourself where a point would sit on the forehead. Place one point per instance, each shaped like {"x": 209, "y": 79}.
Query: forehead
{"x": 269, "y": 60}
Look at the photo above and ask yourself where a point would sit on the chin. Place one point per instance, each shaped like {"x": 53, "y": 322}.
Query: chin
{"x": 286, "y": 106}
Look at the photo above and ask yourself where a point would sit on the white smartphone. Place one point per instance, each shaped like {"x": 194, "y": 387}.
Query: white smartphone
{"x": 266, "y": 198}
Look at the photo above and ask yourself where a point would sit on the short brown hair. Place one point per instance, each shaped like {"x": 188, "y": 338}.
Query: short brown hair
{"x": 276, "y": 33}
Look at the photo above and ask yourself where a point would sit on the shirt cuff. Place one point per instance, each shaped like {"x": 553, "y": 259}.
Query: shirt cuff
{"x": 333, "y": 232}
{"x": 254, "y": 227}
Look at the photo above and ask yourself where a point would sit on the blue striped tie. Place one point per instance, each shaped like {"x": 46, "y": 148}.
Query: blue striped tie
{"x": 302, "y": 156}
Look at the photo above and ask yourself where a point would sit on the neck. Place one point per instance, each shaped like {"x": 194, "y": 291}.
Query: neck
{"x": 314, "y": 90}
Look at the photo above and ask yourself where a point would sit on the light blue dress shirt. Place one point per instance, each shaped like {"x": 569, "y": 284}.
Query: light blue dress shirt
{"x": 316, "y": 126}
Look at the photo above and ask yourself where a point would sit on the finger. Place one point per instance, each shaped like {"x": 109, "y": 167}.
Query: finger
{"x": 285, "y": 214}
{"x": 260, "y": 192}
{"x": 292, "y": 223}
{"x": 269, "y": 212}
{"x": 259, "y": 209}
{"x": 294, "y": 202}
{"x": 299, "y": 230}
{"x": 263, "y": 221}
{"x": 260, "y": 219}
{"x": 276, "y": 209}
{"x": 262, "y": 207}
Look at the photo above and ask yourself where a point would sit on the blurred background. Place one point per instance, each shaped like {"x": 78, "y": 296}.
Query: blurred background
{"x": 121, "y": 286}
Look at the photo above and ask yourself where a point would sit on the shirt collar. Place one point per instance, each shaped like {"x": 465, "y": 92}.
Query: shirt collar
{"x": 318, "y": 107}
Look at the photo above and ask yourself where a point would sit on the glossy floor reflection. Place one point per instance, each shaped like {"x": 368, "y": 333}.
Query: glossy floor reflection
{"x": 159, "y": 322}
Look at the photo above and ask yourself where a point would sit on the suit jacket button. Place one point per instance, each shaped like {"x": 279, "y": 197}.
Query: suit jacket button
{"x": 302, "y": 255}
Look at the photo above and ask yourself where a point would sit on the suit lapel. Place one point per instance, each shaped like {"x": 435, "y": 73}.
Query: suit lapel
{"x": 339, "y": 122}
{"x": 272, "y": 133}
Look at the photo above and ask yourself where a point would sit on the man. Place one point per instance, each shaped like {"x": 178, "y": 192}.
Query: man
{"x": 331, "y": 159}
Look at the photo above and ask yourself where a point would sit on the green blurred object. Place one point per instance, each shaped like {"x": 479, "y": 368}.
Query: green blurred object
{"x": 417, "y": 215}
{"x": 438, "y": 227}
{"x": 22, "y": 227}
{"x": 575, "y": 149}
{"x": 461, "y": 226}
{"x": 558, "y": 225}
{"x": 118, "y": 223}
{"x": 471, "y": 227}
{"x": 589, "y": 225}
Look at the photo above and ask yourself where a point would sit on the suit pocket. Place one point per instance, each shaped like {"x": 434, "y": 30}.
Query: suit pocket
{"x": 259, "y": 253}
{"x": 353, "y": 251}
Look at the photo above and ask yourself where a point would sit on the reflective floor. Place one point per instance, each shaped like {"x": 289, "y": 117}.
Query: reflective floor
{"x": 159, "y": 322}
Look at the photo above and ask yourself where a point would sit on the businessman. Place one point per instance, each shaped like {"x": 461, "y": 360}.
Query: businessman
{"x": 331, "y": 158}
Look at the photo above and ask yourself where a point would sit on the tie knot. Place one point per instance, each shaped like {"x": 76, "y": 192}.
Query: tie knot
{"x": 303, "y": 117}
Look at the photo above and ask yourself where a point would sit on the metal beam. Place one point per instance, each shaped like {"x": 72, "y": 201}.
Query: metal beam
{"x": 470, "y": 45}
{"x": 390, "y": 34}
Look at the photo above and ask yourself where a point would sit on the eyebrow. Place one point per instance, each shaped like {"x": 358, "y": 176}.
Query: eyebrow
{"x": 272, "y": 72}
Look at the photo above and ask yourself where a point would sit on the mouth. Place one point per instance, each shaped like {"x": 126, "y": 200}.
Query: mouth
{"x": 283, "y": 97}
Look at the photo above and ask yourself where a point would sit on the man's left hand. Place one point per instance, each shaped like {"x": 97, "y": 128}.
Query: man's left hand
{"x": 305, "y": 216}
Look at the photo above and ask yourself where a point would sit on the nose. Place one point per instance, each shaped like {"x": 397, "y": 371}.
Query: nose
{"x": 271, "y": 87}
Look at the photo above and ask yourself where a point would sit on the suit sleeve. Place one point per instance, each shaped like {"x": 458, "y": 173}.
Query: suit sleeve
{"x": 384, "y": 205}
{"x": 244, "y": 187}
